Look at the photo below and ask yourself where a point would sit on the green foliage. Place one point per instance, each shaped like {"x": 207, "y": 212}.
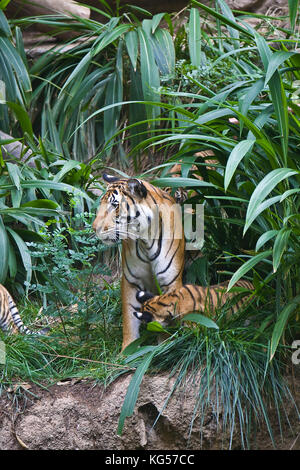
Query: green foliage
{"x": 226, "y": 370}
{"x": 29, "y": 198}
{"x": 68, "y": 271}
{"x": 14, "y": 80}
{"x": 136, "y": 87}
{"x": 251, "y": 217}
{"x": 251, "y": 123}
{"x": 82, "y": 87}
{"x": 80, "y": 307}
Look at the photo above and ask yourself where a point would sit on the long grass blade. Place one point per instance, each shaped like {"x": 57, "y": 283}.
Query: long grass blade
{"x": 280, "y": 246}
{"x": 293, "y": 12}
{"x": 149, "y": 73}
{"x": 281, "y": 324}
{"x": 4, "y": 249}
{"x": 133, "y": 391}
{"x": 263, "y": 189}
{"x": 235, "y": 157}
{"x": 194, "y": 38}
{"x": 245, "y": 268}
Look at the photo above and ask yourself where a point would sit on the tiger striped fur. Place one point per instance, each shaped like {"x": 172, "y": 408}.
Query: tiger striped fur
{"x": 145, "y": 218}
{"x": 10, "y": 320}
{"x": 181, "y": 194}
{"x": 187, "y": 299}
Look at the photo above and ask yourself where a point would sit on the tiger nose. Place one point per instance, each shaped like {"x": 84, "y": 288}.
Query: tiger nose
{"x": 96, "y": 226}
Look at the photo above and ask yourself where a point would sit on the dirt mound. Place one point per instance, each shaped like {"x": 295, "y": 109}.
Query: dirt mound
{"x": 84, "y": 416}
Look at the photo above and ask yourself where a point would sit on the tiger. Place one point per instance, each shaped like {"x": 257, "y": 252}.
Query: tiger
{"x": 187, "y": 299}
{"x": 10, "y": 320}
{"x": 176, "y": 170}
{"x": 149, "y": 224}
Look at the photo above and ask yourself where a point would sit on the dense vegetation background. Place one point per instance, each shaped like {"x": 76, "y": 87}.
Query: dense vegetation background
{"x": 138, "y": 93}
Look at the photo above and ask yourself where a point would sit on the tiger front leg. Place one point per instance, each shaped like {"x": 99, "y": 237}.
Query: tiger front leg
{"x": 131, "y": 324}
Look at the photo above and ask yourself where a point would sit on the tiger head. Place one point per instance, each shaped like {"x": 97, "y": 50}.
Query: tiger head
{"x": 160, "y": 308}
{"x": 123, "y": 212}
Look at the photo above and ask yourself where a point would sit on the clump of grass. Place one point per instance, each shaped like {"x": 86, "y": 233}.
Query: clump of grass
{"x": 227, "y": 369}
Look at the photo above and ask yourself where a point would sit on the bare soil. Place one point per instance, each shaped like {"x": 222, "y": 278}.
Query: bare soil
{"x": 84, "y": 416}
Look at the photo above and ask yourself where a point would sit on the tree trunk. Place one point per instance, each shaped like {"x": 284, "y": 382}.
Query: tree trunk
{"x": 21, "y": 8}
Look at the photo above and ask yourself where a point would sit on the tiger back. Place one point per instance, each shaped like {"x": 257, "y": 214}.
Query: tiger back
{"x": 10, "y": 320}
{"x": 187, "y": 299}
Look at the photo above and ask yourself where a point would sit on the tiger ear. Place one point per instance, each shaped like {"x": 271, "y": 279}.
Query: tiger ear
{"x": 110, "y": 178}
{"x": 142, "y": 296}
{"x": 180, "y": 194}
{"x": 137, "y": 188}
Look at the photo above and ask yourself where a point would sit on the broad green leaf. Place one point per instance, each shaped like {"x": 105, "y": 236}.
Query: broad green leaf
{"x": 247, "y": 266}
{"x": 226, "y": 198}
{"x": 149, "y": 73}
{"x": 196, "y": 137}
{"x": 281, "y": 110}
{"x": 281, "y": 323}
{"x": 4, "y": 26}
{"x": 256, "y": 132}
{"x": 51, "y": 128}
{"x": 68, "y": 166}
{"x": 13, "y": 171}
{"x": 264, "y": 238}
{"x": 20, "y": 46}
{"x": 164, "y": 52}
{"x": 288, "y": 193}
{"x": 201, "y": 320}
{"x": 276, "y": 60}
{"x": 247, "y": 99}
{"x": 3, "y": 4}
{"x": 22, "y": 116}
{"x": 215, "y": 114}
{"x": 260, "y": 208}
{"x": 263, "y": 49}
{"x": 276, "y": 88}
{"x": 137, "y": 110}
{"x": 135, "y": 351}
{"x": 110, "y": 37}
{"x": 114, "y": 94}
{"x": 4, "y": 250}
{"x": 194, "y": 38}
{"x": 41, "y": 203}
{"x": 83, "y": 64}
{"x": 235, "y": 157}
{"x": 180, "y": 182}
{"x": 14, "y": 60}
{"x": 234, "y": 34}
{"x": 155, "y": 326}
{"x": 147, "y": 27}
{"x": 24, "y": 252}
{"x": 280, "y": 245}
{"x": 12, "y": 261}
{"x": 29, "y": 213}
{"x": 44, "y": 184}
{"x": 131, "y": 41}
{"x": 222, "y": 18}
{"x": 156, "y": 20}
{"x": 293, "y": 11}
{"x": 264, "y": 188}
{"x": 29, "y": 235}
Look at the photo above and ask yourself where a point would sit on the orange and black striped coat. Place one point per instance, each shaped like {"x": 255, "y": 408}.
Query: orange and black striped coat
{"x": 187, "y": 299}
